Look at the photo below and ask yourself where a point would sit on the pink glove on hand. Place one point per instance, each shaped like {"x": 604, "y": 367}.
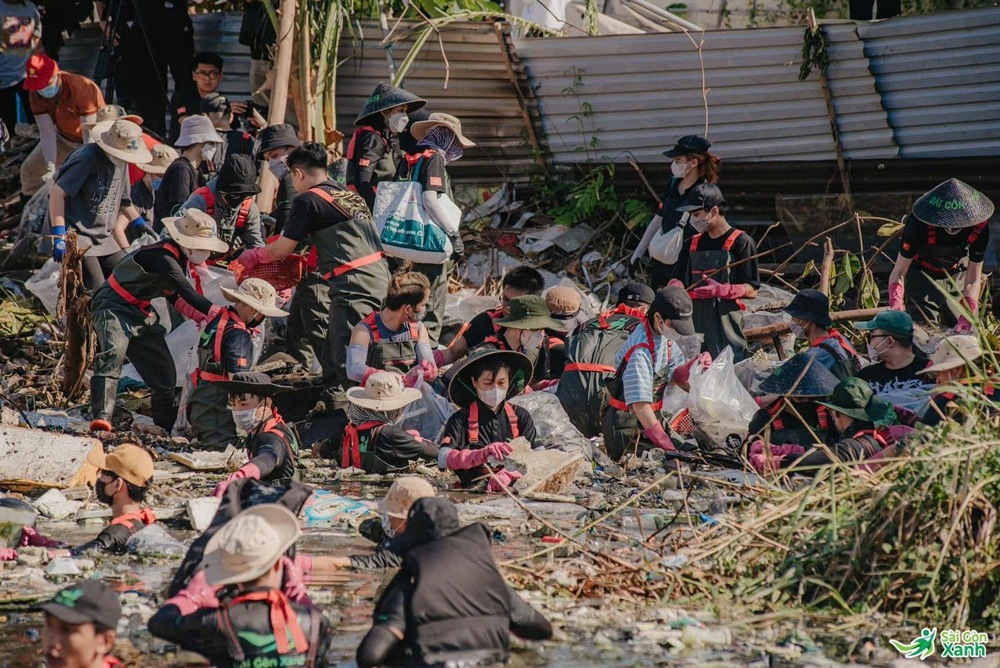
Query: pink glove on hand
{"x": 963, "y": 326}
{"x": 546, "y": 384}
{"x": 30, "y": 537}
{"x": 439, "y": 358}
{"x": 710, "y": 290}
{"x": 498, "y": 450}
{"x": 8, "y": 554}
{"x": 659, "y": 437}
{"x": 682, "y": 374}
{"x": 191, "y": 313}
{"x": 460, "y": 460}
{"x": 284, "y": 296}
{"x": 369, "y": 372}
{"x": 252, "y": 257}
{"x": 415, "y": 434}
{"x": 503, "y": 480}
{"x": 248, "y": 471}
{"x": 198, "y": 595}
{"x": 674, "y": 283}
{"x": 429, "y": 370}
{"x": 305, "y": 564}
{"x": 294, "y": 582}
{"x": 731, "y": 291}
{"x": 896, "y": 296}
{"x": 762, "y": 463}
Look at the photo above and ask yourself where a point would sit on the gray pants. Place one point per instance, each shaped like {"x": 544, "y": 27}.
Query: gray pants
{"x": 145, "y": 347}
{"x": 308, "y": 313}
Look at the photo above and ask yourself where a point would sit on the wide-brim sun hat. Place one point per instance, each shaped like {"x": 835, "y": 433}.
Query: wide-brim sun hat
{"x": 462, "y": 392}
{"x": 801, "y": 376}
{"x": 855, "y": 398}
{"x": 420, "y": 128}
{"x": 196, "y": 230}
{"x": 529, "y": 312}
{"x": 122, "y": 140}
{"x": 953, "y": 352}
{"x": 403, "y": 494}
{"x": 811, "y": 306}
{"x": 386, "y": 96}
{"x": 259, "y": 295}
{"x": 248, "y": 545}
{"x": 163, "y": 157}
{"x": 384, "y": 391}
{"x": 113, "y": 112}
{"x": 953, "y": 204}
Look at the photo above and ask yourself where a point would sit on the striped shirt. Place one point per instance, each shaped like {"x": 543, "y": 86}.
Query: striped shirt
{"x": 640, "y": 371}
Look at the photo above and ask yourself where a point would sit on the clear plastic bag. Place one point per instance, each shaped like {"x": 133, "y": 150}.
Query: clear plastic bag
{"x": 45, "y": 285}
{"x": 720, "y": 407}
{"x": 428, "y": 415}
{"x": 553, "y": 430}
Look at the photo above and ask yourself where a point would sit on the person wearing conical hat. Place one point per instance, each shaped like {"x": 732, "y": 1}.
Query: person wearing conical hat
{"x": 90, "y": 191}
{"x": 372, "y": 154}
{"x": 226, "y": 348}
{"x": 944, "y": 242}
{"x": 127, "y": 326}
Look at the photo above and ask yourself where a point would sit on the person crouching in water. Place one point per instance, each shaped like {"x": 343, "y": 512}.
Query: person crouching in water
{"x": 271, "y": 445}
{"x": 81, "y": 622}
{"x": 234, "y": 612}
{"x": 372, "y": 440}
{"x": 485, "y": 423}
{"x": 448, "y": 604}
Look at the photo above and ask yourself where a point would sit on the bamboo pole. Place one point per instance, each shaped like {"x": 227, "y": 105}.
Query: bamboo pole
{"x": 279, "y": 94}
{"x": 838, "y": 316}
{"x": 827, "y": 268}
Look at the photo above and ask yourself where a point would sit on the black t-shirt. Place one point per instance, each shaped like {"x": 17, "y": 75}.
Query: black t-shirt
{"x": 883, "y": 379}
{"x": 155, "y": 259}
{"x": 179, "y": 181}
{"x": 743, "y": 247}
{"x": 915, "y": 240}
{"x": 311, "y": 213}
{"x": 479, "y": 328}
{"x": 667, "y": 211}
{"x": 431, "y": 173}
{"x": 112, "y": 539}
{"x": 283, "y": 202}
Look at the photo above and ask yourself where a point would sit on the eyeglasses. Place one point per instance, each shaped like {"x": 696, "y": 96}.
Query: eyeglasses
{"x": 208, "y": 74}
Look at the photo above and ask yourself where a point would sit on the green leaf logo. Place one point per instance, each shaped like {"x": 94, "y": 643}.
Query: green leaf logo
{"x": 68, "y": 597}
{"x": 920, "y": 647}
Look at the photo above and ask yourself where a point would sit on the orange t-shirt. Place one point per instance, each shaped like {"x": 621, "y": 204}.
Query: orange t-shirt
{"x": 79, "y": 97}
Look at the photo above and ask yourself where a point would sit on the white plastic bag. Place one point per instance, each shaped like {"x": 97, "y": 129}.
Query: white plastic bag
{"x": 666, "y": 247}
{"x": 404, "y": 227}
{"x": 45, "y": 285}
{"x": 720, "y": 407}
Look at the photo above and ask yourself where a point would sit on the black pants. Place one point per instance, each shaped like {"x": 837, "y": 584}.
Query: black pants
{"x": 861, "y": 10}
{"x": 97, "y": 269}
{"x": 9, "y": 98}
{"x": 142, "y": 80}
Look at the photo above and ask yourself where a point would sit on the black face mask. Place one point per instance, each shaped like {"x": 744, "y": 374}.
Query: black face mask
{"x": 256, "y": 322}
{"x": 102, "y": 495}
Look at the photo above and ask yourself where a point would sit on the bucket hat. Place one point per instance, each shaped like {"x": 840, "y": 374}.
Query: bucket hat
{"x": 248, "y": 545}
{"x": 386, "y": 96}
{"x": 238, "y": 176}
{"x": 39, "y": 70}
{"x": 462, "y": 392}
{"x": 163, "y": 157}
{"x": 86, "y": 602}
{"x": 128, "y": 461}
{"x": 123, "y": 140}
{"x": 276, "y": 136}
{"x": 953, "y": 204}
{"x": 113, "y": 112}
{"x": 196, "y": 230}
{"x": 811, "y": 306}
{"x": 254, "y": 383}
{"x": 15, "y": 514}
{"x": 800, "y": 376}
{"x": 894, "y": 322}
{"x": 197, "y": 130}
{"x": 384, "y": 391}
{"x": 403, "y": 494}
{"x": 529, "y": 312}
{"x": 687, "y": 145}
{"x": 420, "y": 128}
{"x": 855, "y": 397}
{"x": 953, "y": 352}
{"x": 257, "y": 294}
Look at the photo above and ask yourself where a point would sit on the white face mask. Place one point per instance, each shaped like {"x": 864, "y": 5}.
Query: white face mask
{"x": 397, "y": 122}
{"x": 198, "y": 256}
{"x": 247, "y": 420}
{"x": 387, "y": 527}
{"x": 874, "y": 354}
{"x": 798, "y": 330}
{"x": 680, "y": 169}
{"x": 494, "y": 397}
{"x": 699, "y": 224}
{"x": 208, "y": 151}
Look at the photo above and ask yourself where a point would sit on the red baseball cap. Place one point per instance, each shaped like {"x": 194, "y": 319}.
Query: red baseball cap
{"x": 40, "y": 69}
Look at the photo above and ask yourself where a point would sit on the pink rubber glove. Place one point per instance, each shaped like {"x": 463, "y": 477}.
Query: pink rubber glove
{"x": 546, "y": 384}
{"x": 674, "y": 283}
{"x": 411, "y": 377}
{"x": 294, "y": 583}
{"x": 284, "y": 296}
{"x": 763, "y": 402}
{"x": 369, "y": 372}
{"x": 963, "y": 326}
{"x": 460, "y": 460}
{"x": 30, "y": 537}
{"x": 248, "y": 471}
{"x": 305, "y": 564}
{"x": 8, "y": 554}
{"x": 764, "y": 464}
{"x": 896, "y": 296}
{"x": 710, "y": 290}
{"x": 415, "y": 434}
{"x": 191, "y": 313}
{"x": 971, "y": 304}
{"x": 659, "y": 438}
{"x": 731, "y": 291}
{"x": 198, "y": 595}
{"x": 498, "y": 450}
{"x": 682, "y": 374}
{"x": 429, "y": 370}
{"x": 252, "y": 257}
{"x": 787, "y": 449}
{"x": 757, "y": 447}
{"x": 503, "y": 480}
{"x": 439, "y": 358}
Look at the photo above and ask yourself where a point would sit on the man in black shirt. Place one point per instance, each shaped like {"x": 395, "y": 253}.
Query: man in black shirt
{"x": 894, "y": 373}
{"x": 207, "y": 75}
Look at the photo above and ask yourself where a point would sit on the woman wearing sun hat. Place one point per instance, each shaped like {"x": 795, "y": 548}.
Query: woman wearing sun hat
{"x": 956, "y": 361}
{"x": 144, "y": 190}
{"x": 90, "y": 191}
{"x": 198, "y": 142}
{"x": 945, "y": 237}
{"x": 225, "y": 348}
{"x": 128, "y": 327}
{"x": 234, "y": 612}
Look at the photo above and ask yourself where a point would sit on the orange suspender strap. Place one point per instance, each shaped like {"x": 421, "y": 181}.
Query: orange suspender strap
{"x": 353, "y": 264}
{"x": 976, "y": 231}
{"x": 584, "y": 366}
{"x": 874, "y": 434}
{"x": 693, "y": 248}
{"x": 621, "y": 309}
{"x": 354, "y": 139}
{"x": 494, "y": 314}
{"x": 209, "y": 196}
{"x": 621, "y": 405}
{"x": 241, "y": 217}
{"x": 774, "y": 410}
{"x": 823, "y": 417}
{"x": 414, "y": 331}
{"x": 837, "y": 336}
{"x": 474, "y": 423}
{"x": 512, "y": 418}
{"x": 931, "y": 235}
{"x": 731, "y": 239}
{"x": 271, "y": 427}
{"x": 146, "y": 515}
{"x": 372, "y": 327}
{"x": 141, "y": 304}
{"x": 284, "y": 621}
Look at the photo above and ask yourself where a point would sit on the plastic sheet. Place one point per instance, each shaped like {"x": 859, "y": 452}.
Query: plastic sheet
{"x": 553, "y": 429}
{"x": 428, "y": 415}
{"x": 326, "y": 509}
{"x": 154, "y": 541}
{"x": 721, "y": 408}
{"x": 752, "y": 372}
{"x": 45, "y": 285}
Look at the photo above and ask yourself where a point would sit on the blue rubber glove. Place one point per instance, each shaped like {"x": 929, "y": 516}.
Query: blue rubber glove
{"x": 142, "y": 227}
{"x": 59, "y": 243}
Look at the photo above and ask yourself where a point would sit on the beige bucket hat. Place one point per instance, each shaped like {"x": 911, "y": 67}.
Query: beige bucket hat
{"x": 403, "y": 494}
{"x": 954, "y": 351}
{"x": 248, "y": 545}
{"x": 113, "y": 112}
{"x": 420, "y": 128}
{"x": 123, "y": 140}
{"x": 163, "y": 156}
{"x": 384, "y": 391}
{"x": 257, "y": 294}
{"x": 196, "y": 230}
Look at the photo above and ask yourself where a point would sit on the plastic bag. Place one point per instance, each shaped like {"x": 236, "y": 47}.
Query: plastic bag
{"x": 154, "y": 540}
{"x": 325, "y": 509}
{"x": 405, "y": 228}
{"x": 553, "y": 430}
{"x": 720, "y": 407}
{"x": 45, "y": 285}
{"x": 666, "y": 246}
{"x": 429, "y": 415}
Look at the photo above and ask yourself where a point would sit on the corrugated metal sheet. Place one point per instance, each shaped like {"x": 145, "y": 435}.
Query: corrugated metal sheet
{"x": 638, "y": 93}
{"x": 939, "y": 76}
{"x": 479, "y": 90}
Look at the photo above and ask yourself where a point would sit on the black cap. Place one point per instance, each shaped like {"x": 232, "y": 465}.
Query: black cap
{"x": 87, "y": 601}
{"x": 213, "y": 103}
{"x": 254, "y": 383}
{"x": 238, "y": 176}
{"x": 687, "y": 145}
{"x": 674, "y": 304}
{"x": 276, "y": 136}
{"x": 811, "y": 306}
{"x": 634, "y": 292}
{"x": 703, "y": 196}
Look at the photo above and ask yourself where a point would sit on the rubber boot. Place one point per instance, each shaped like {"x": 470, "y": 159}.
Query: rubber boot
{"x": 164, "y": 410}
{"x": 103, "y": 391}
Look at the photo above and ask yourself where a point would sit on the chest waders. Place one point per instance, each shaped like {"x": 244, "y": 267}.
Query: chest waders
{"x": 719, "y": 320}
{"x": 930, "y": 276}
{"x": 208, "y": 407}
{"x": 399, "y": 356}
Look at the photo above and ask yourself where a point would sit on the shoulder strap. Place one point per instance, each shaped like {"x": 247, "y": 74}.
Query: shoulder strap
{"x": 693, "y": 248}
{"x": 731, "y": 239}
{"x": 226, "y": 627}
{"x": 474, "y": 422}
{"x": 976, "y": 231}
{"x": 314, "y": 623}
{"x": 833, "y": 351}
{"x": 372, "y": 326}
{"x": 209, "y": 196}
{"x": 414, "y": 331}
{"x": 329, "y": 199}
{"x": 172, "y": 249}
{"x": 220, "y": 332}
{"x": 512, "y": 418}
{"x": 241, "y": 217}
